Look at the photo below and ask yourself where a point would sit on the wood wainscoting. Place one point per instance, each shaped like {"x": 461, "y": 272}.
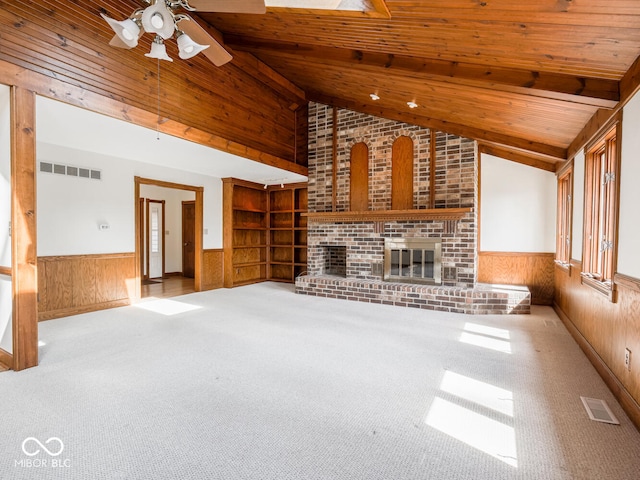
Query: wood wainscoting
{"x": 72, "y": 284}
{"x": 212, "y": 269}
{"x": 535, "y": 270}
{"x": 603, "y": 329}
{"x": 6, "y": 360}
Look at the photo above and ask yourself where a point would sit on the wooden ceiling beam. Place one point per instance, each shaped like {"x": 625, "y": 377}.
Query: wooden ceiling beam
{"x": 519, "y": 156}
{"x": 553, "y": 153}
{"x": 629, "y": 86}
{"x": 258, "y": 69}
{"x": 598, "y": 92}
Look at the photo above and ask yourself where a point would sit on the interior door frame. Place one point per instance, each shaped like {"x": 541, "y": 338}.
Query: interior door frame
{"x": 148, "y": 201}
{"x": 199, "y": 191}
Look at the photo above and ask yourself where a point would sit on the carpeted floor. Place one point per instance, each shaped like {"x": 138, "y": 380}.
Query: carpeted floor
{"x": 259, "y": 383}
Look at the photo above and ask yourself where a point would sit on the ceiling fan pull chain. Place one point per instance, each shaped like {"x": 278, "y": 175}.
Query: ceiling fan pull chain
{"x": 158, "y": 120}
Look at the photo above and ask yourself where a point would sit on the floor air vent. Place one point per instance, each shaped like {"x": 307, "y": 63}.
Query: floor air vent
{"x": 599, "y": 411}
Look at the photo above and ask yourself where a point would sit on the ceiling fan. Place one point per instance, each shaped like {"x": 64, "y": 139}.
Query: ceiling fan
{"x": 160, "y": 18}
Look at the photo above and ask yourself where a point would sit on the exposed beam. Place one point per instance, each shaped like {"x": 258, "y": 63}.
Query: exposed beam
{"x": 259, "y": 70}
{"x": 550, "y": 151}
{"x": 629, "y": 86}
{"x": 11, "y": 74}
{"x": 597, "y": 92}
{"x": 518, "y": 156}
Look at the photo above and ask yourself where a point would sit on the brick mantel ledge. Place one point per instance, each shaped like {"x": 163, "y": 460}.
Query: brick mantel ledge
{"x": 388, "y": 215}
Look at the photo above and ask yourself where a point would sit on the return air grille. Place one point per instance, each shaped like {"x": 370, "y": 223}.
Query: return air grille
{"x": 71, "y": 171}
{"x": 599, "y": 411}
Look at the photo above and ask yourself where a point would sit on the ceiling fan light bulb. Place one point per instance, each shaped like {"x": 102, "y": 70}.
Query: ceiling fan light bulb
{"x": 157, "y": 21}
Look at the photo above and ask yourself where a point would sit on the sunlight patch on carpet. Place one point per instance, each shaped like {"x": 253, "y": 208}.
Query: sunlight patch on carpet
{"x": 482, "y": 393}
{"x": 167, "y": 307}
{"x": 487, "y": 337}
{"x": 482, "y": 433}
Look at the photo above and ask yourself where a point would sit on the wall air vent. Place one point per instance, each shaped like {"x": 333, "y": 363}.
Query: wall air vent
{"x": 71, "y": 171}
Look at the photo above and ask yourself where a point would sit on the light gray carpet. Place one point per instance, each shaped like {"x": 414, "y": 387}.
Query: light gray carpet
{"x": 259, "y": 383}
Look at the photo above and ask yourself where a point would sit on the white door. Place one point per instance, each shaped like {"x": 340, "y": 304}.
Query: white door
{"x": 156, "y": 228}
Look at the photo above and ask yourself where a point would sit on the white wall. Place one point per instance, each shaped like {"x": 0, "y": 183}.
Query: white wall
{"x": 518, "y": 207}
{"x": 70, "y": 209}
{"x": 578, "y": 206}
{"x": 173, "y": 221}
{"x": 6, "y": 303}
{"x": 629, "y": 226}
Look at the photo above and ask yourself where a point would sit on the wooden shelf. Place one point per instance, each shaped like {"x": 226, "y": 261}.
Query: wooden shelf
{"x": 388, "y": 215}
{"x": 264, "y": 232}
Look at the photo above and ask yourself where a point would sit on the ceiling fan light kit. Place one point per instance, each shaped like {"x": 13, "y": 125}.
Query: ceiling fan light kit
{"x": 159, "y": 18}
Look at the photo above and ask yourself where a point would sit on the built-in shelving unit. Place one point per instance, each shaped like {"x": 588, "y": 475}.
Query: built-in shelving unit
{"x": 287, "y": 232}
{"x": 246, "y": 224}
{"x": 265, "y": 232}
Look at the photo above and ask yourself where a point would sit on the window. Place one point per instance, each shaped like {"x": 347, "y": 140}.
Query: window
{"x": 602, "y": 180}
{"x": 565, "y": 208}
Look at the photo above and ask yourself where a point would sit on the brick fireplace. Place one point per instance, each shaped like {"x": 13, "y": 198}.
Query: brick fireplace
{"x": 346, "y": 250}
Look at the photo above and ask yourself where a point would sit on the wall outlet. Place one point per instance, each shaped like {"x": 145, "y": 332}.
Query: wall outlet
{"x": 627, "y": 358}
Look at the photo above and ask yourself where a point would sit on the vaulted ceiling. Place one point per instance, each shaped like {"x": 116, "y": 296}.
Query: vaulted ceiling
{"x": 520, "y": 76}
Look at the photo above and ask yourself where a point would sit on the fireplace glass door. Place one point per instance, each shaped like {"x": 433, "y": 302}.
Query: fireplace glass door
{"x": 413, "y": 260}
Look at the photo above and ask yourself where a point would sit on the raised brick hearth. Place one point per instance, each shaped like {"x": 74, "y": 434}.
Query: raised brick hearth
{"x": 345, "y": 258}
{"x": 487, "y": 299}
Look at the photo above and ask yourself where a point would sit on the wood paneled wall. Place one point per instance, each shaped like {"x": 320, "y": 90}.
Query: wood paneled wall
{"x": 604, "y": 329}
{"x": 213, "y": 273}
{"x": 68, "y": 285}
{"x": 535, "y": 270}
{"x": 245, "y": 105}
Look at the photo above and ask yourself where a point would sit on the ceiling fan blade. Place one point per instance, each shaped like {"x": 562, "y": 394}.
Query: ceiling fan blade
{"x": 225, "y": 6}
{"x": 216, "y": 52}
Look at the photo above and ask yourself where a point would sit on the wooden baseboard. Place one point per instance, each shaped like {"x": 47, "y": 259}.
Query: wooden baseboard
{"x": 6, "y": 359}
{"x": 66, "y": 312}
{"x": 172, "y": 274}
{"x": 628, "y": 403}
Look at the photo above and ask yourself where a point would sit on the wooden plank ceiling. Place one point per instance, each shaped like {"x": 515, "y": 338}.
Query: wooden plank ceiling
{"x": 523, "y": 77}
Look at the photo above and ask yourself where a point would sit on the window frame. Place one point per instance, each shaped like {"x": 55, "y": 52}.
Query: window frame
{"x": 601, "y": 209}
{"x": 564, "y": 215}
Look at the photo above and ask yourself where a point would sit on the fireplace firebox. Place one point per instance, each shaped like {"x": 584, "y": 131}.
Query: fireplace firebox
{"x": 413, "y": 260}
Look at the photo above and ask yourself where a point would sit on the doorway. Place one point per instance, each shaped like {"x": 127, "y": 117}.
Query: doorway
{"x": 169, "y": 238}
